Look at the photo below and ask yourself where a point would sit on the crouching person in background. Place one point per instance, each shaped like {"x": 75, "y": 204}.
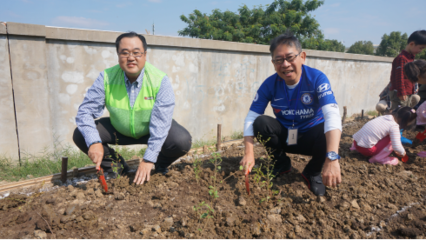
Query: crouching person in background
{"x": 140, "y": 100}
{"x": 380, "y": 136}
{"x": 416, "y": 73}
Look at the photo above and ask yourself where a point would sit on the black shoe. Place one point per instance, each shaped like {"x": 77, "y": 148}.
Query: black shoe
{"x": 280, "y": 169}
{"x": 315, "y": 184}
{"x": 160, "y": 169}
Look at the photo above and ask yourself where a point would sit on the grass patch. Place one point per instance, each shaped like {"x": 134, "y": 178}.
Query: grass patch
{"x": 237, "y": 135}
{"x": 50, "y": 163}
{"x": 372, "y": 113}
{"x": 201, "y": 143}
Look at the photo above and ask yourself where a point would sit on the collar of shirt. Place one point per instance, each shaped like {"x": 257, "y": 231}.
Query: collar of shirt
{"x": 407, "y": 54}
{"x": 138, "y": 80}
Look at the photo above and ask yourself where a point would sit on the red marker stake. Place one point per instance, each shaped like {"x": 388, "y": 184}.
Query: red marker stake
{"x": 101, "y": 177}
{"x": 247, "y": 183}
{"x": 405, "y": 158}
{"x": 421, "y": 136}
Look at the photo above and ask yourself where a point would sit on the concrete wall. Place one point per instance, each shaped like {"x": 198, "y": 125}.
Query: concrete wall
{"x": 214, "y": 81}
{"x": 8, "y": 141}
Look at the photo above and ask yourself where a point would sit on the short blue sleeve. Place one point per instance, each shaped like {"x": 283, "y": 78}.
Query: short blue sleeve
{"x": 323, "y": 90}
{"x": 262, "y": 97}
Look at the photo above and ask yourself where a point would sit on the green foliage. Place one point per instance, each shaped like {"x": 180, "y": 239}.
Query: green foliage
{"x": 49, "y": 162}
{"x": 216, "y": 161}
{"x": 115, "y": 166}
{"x": 237, "y": 135}
{"x": 197, "y": 166}
{"x": 362, "y": 47}
{"x": 319, "y": 43}
{"x": 392, "y": 44}
{"x": 421, "y": 55}
{"x": 203, "y": 210}
{"x": 258, "y": 25}
{"x": 263, "y": 174}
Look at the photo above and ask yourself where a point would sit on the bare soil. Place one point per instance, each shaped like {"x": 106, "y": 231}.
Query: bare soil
{"x": 374, "y": 201}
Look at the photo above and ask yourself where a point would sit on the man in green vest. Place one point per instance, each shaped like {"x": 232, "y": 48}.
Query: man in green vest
{"x": 140, "y": 101}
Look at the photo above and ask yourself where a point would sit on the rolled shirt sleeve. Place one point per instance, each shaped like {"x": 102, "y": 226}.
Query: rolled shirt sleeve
{"x": 92, "y": 107}
{"x": 161, "y": 120}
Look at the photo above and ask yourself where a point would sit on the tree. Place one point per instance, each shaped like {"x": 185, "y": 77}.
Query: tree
{"x": 392, "y": 44}
{"x": 319, "y": 43}
{"x": 258, "y": 25}
{"x": 362, "y": 47}
{"x": 421, "y": 55}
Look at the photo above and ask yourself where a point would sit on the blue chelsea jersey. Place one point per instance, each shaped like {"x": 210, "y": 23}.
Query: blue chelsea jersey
{"x": 301, "y": 105}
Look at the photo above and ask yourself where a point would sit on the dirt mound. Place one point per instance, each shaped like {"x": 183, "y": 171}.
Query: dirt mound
{"x": 374, "y": 201}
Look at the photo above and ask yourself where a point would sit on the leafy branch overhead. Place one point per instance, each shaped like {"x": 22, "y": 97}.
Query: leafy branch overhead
{"x": 258, "y": 25}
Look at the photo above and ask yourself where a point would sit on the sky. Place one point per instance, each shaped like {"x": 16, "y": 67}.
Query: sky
{"x": 347, "y": 21}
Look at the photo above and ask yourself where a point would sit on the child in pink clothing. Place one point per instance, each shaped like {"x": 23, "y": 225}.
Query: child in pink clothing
{"x": 379, "y": 137}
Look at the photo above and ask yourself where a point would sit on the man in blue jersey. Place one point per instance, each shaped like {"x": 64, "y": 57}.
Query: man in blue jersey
{"x": 307, "y": 117}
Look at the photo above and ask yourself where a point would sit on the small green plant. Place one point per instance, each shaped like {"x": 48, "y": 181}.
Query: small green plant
{"x": 197, "y": 166}
{"x": 263, "y": 174}
{"x": 118, "y": 157}
{"x": 216, "y": 161}
{"x": 203, "y": 211}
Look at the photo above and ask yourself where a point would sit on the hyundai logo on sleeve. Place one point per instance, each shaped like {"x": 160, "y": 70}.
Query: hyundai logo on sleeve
{"x": 323, "y": 87}
{"x": 256, "y": 97}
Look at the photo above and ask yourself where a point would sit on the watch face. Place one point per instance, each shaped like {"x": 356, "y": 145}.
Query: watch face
{"x": 333, "y": 156}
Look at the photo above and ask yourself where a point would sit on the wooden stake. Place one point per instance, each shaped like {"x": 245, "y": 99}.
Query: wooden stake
{"x": 344, "y": 114}
{"x": 64, "y": 169}
{"x": 75, "y": 172}
{"x": 362, "y": 114}
{"x": 219, "y": 137}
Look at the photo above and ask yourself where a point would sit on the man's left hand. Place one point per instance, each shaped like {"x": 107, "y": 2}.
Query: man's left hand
{"x": 143, "y": 173}
{"x": 331, "y": 173}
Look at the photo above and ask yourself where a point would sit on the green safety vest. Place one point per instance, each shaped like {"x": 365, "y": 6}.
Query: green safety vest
{"x": 131, "y": 122}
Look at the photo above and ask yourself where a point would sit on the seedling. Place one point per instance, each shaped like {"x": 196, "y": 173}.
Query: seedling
{"x": 203, "y": 211}
{"x": 216, "y": 161}
{"x": 117, "y": 156}
{"x": 197, "y": 166}
{"x": 263, "y": 174}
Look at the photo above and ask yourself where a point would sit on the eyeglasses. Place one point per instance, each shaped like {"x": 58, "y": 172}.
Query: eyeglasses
{"x": 289, "y": 59}
{"x": 126, "y": 54}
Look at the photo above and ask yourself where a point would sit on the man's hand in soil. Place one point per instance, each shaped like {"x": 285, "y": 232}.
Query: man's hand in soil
{"x": 403, "y": 98}
{"x": 96, "y": 154}
{"x": 248, "y": 160}
{"x": 331, "y": 173}
{"x": 143, "y": 173}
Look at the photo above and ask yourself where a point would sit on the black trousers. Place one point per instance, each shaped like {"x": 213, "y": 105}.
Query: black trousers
{"x": 177, "y": 143}
{"x": 311, "y": 143}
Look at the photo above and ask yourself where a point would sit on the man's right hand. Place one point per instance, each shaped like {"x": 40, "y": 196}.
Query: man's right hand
{"x": 96, "y": 154}
{"x": 248, "y": 160}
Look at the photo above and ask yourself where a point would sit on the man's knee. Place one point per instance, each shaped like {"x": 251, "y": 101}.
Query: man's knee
{"x": 260, "y": 123}
{"x": 178, "y": 142}
{"x": 79, "y": 141}
{"x": 381, "y": 106}
{"x": 414, "y": 100}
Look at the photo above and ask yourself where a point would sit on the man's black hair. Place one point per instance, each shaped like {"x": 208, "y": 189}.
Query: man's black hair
{"x": 286, "y": 38}
{"x": 130, "y": 35}
{"x": 418, "y": 37}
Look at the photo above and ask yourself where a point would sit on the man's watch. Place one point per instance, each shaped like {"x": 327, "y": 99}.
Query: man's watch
{"x": 332, "y": 156}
